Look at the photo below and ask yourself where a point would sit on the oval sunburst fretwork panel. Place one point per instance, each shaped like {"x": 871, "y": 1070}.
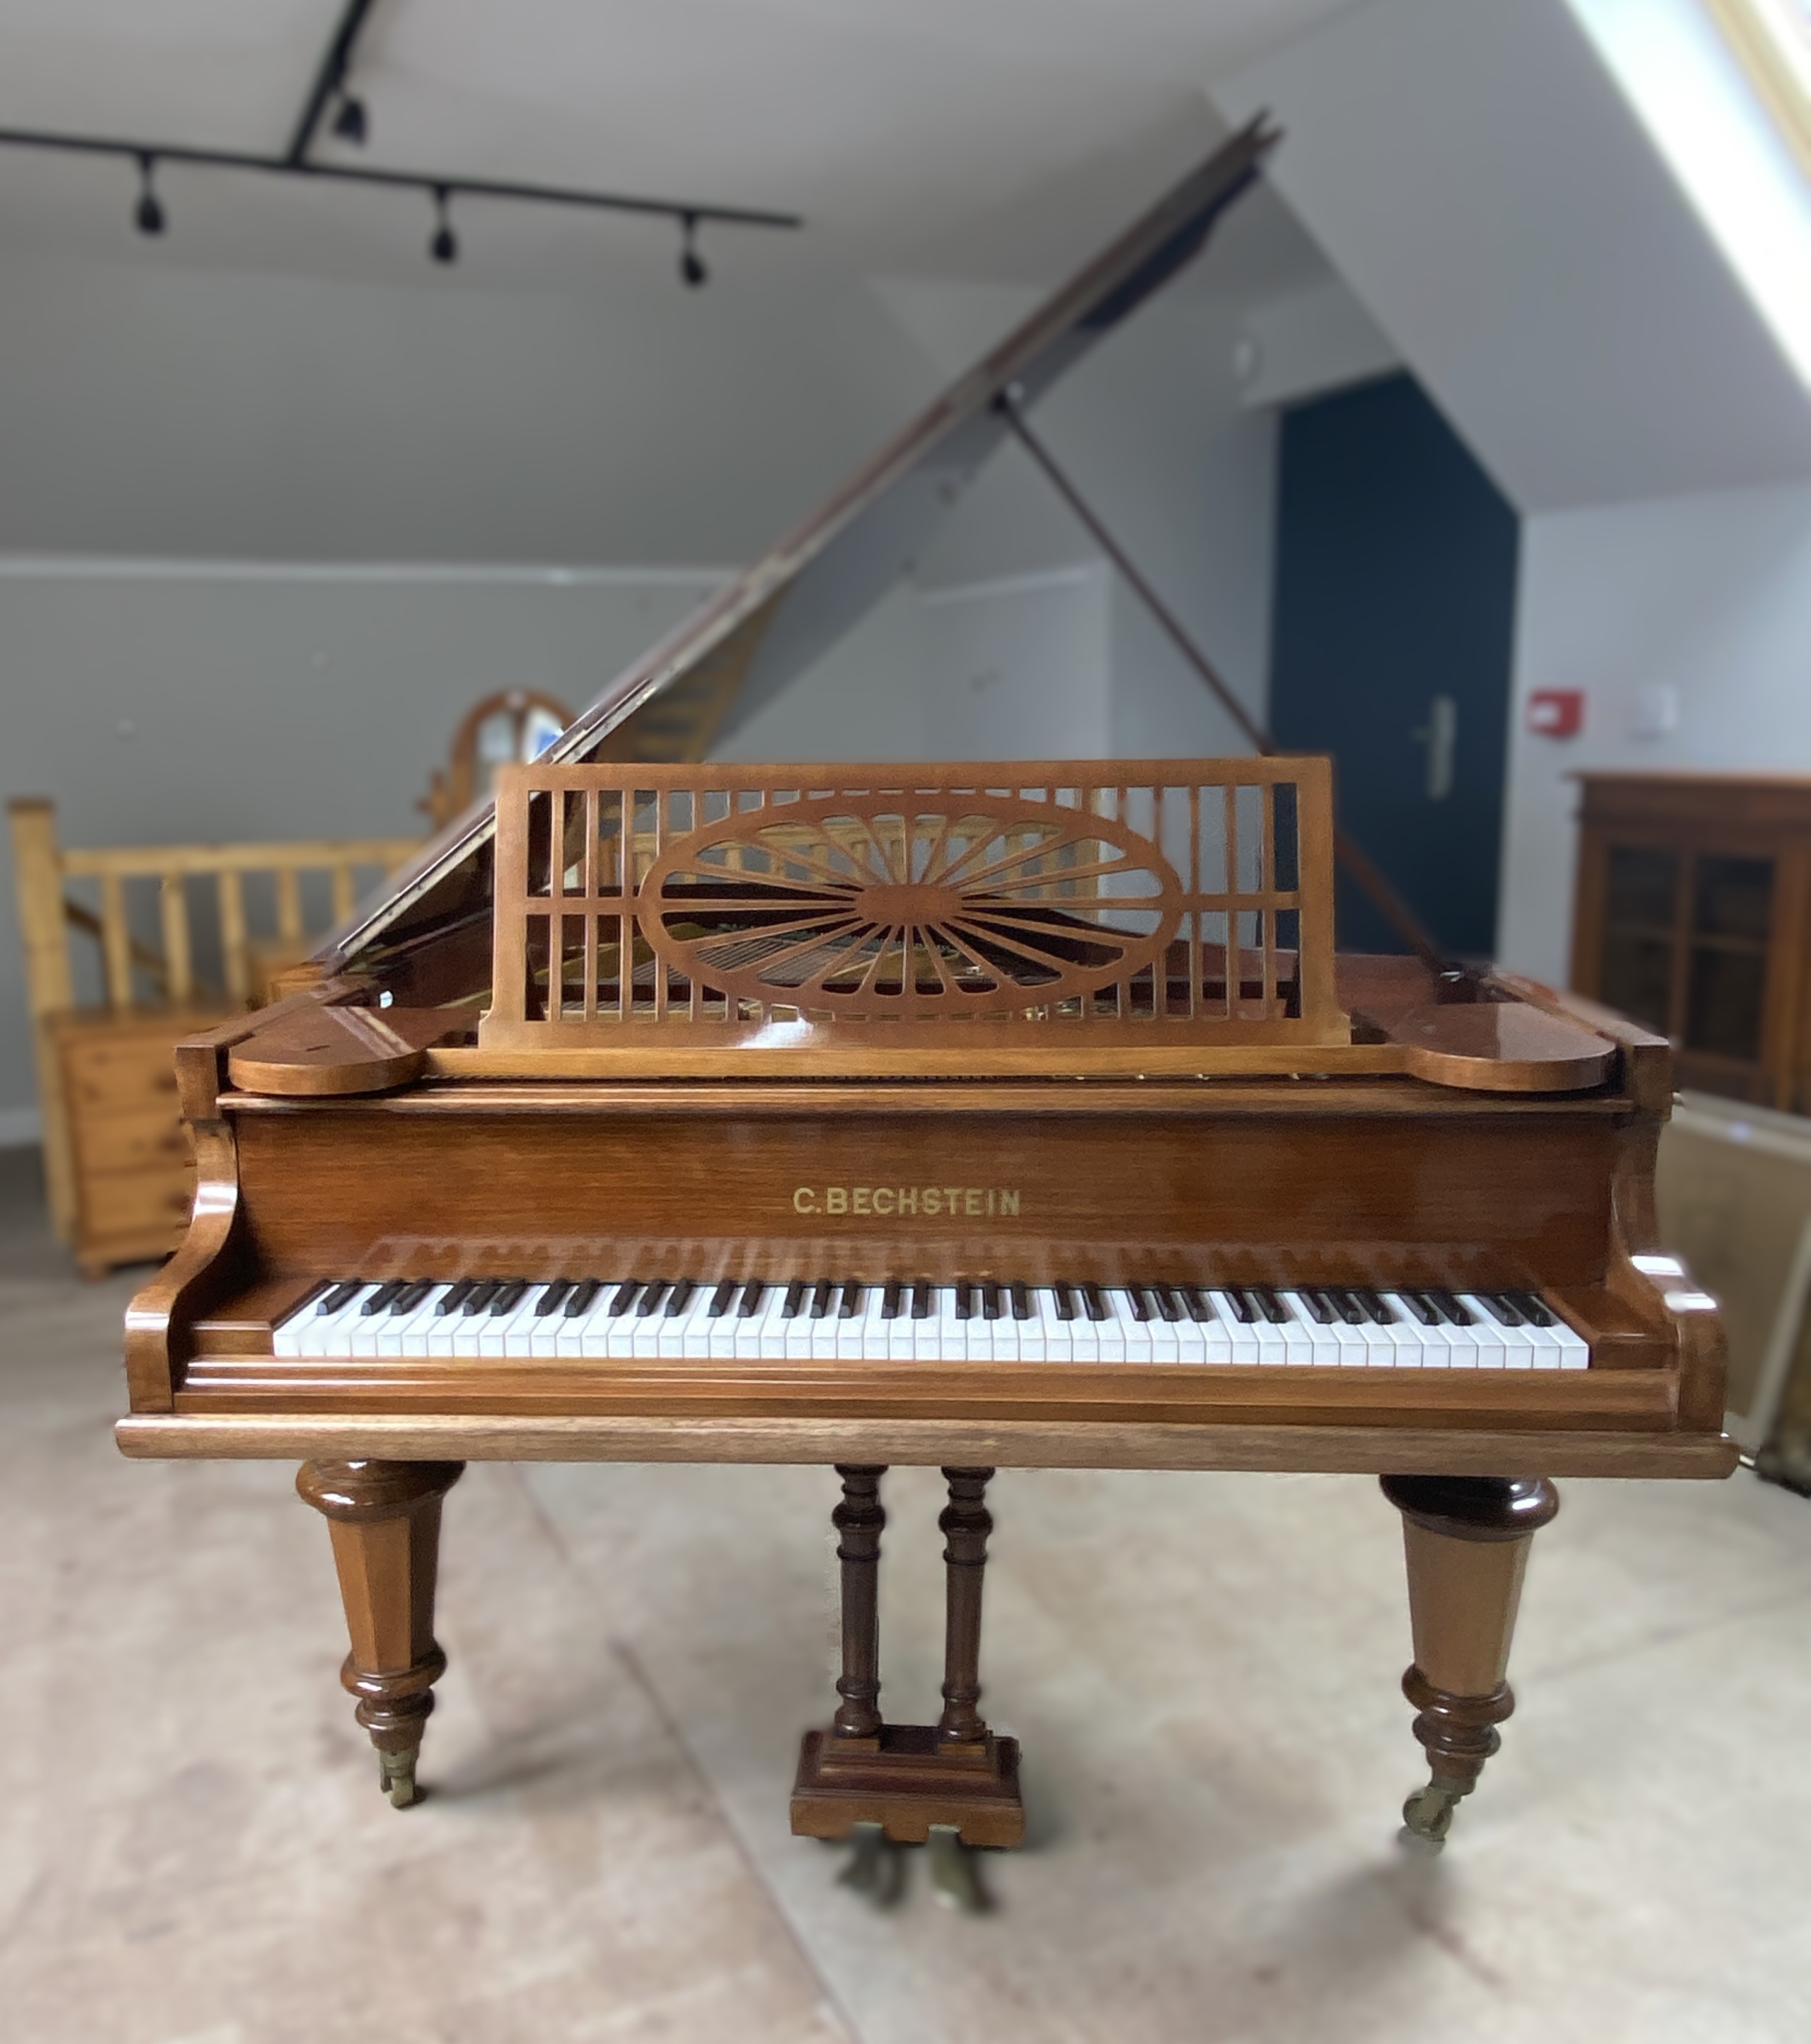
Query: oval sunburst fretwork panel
{"x": 937, "y": 905}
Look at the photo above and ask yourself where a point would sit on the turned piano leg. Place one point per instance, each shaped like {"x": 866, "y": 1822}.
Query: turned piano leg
{"x": 1466, "y": 1540}
{"x": 384, "y": 1520}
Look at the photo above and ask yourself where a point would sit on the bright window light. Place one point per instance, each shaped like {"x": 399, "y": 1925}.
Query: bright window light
{"x": 1773, "y": 40}
{"x": 1723, "y": 138}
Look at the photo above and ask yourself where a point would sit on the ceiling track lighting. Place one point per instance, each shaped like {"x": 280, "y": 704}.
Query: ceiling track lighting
{"x": 350, "y": 122}
{"x": 444, "y": 246}
{"x": 692, "y": 268}
{"x": 147, "y": 215}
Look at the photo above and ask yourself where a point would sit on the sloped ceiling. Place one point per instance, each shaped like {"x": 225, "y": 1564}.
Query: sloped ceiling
{"x": 1473, "y": 172}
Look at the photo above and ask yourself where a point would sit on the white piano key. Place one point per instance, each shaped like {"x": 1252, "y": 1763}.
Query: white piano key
{"x": 1029, "y": 1334}
{"x": 409, "y": 1337}
{"x": 872, "y": 1335}
{"x": 773, "y": 1325}
{"x": 1055, "y": 1332}
{"x": 686, "y": 1334}
{"x": 1160, "y": 1330}
{"x": 901, "y": 1331}
{"x": 587, "y": 1332}
{"x": 1122, "y": 1338}
{"x": 1242, "y": 1337}
{"x": 949, "y": 1343}
{"x": 1518, "y": 1351}
{"x": 718, "y": 1331}
{"x": 329, "y": 1336}
{"x": 543, "y": 1329}
{"x": 511, "y": 1333}
{"x": 1416, "y": 1347}
{"x": 1320, "y": 1342}
{"x": 980, "y": 1330}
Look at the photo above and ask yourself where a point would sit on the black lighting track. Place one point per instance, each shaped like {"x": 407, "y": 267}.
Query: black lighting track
{"x": 430, "y": 182}
{"x": 330, "y": 83}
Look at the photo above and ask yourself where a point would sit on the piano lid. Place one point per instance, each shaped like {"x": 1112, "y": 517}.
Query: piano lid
{"x": 741, "y": 647}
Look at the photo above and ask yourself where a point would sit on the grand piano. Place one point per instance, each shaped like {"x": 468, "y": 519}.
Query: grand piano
{"x": 981, "y": 1115}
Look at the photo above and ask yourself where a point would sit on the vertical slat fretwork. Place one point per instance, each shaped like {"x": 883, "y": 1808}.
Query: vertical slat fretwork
{"x": 1230, "y": 793}
{"x": 173, "y": 911}
{"x": 1267, "y": 883}
{"x": 591, "y": 881}
{"x": 1194, "y": 894}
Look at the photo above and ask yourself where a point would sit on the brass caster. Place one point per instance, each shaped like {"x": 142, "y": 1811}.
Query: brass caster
{"x": 876, "y": 1867}
{"x": 1427, "y": 1814}
{"x": 396, "y": 1777}
{"x": 955, "y": 1872}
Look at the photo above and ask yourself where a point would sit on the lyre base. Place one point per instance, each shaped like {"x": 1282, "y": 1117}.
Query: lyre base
{"x": 905, "y": 1782}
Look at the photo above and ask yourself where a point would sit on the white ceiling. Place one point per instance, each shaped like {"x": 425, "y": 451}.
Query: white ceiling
{"x": 996, "y": 139}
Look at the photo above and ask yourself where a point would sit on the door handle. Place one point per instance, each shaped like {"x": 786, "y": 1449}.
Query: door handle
{"x": 1441, "y": 736}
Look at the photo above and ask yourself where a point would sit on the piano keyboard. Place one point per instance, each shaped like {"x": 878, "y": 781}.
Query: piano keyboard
{"x": 636, "y": 1320}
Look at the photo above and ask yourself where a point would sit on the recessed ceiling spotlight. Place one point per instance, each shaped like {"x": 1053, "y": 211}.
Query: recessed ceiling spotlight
{"x": 691, "y": 264}
{"x": 444, "y": 246}
{"x": 147, "y": 216}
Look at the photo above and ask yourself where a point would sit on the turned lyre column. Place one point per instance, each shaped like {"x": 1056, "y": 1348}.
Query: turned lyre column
{"x": 860, "y": 1520}
{"x": 1466, "y": 1540}
{"x": 965, "y": 1524}
{"x": 384, "y": 1519}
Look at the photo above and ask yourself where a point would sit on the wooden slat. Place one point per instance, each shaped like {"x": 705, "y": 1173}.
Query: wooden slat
{"x": 151, "y": 862}
{"x": 37, "y": 874}
{"x": 235, "y": 959}
{"x": 288, "y": 904}
{"x": 115, "y": 941}
{"x": 173, "y": 911}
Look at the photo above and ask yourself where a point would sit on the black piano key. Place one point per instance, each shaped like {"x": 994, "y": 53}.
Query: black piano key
{"x": 649, "y": 1305}
{"x": 1169, "y": 1301}
{"x": 1421, "y": 1305}
{"x": 1448, "y": 1303}
{"x": 679, "y": 1298}
{"x": 508, "y": 1296}
{"x": 924, "y": 1300}
{"x": 990, "y": 1301}
{"x": 1317, "y": 1303}
{"x": 964, "y": 1302}
{"x": 480, "y": 1297}
{"x": 1271, "y": 1306}
{"x": 1535, "y": 1309}
{"x": 1021, "y": 1302}
{"x": 1242, "y": 1304}
{"x": 581, "y": 1299}
{"x": 794, "y": 1300}
{"x": 1499, "y": 1309}
{"x": 342, "y": 1295}
{"x": 626, "y": 1295}
{"x": 552, "y": 1297}
{"x": 821, "y": 1296}
{"x": 1065, "y": 1300}
{"x": 454, "y": 1297}
{"x": 381, "y": 1300}
{"x": 890, "y": 1303}
{"x": 1095, "y": 1304}
{"x": 720, "y": 1299}
{"x": 853, "y": 1295}
{"x": 753, "y": 1292}
{"x": 410, "y": 1297}
{"x": 1376, "y": 1308}
{"x": 1200, "y": 1306}
{"x": 1142, "y": 1307}
{"x": 1346, "y": 1306}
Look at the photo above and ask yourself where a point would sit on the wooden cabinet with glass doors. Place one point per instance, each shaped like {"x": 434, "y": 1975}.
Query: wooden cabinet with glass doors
{"x": 1694, "y": 899}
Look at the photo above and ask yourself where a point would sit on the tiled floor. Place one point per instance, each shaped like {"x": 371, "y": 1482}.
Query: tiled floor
{"x": 1203, "y": 1671}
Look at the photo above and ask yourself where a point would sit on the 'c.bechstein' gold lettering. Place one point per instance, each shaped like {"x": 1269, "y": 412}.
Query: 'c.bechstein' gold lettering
{"x": 936, "y": 1202}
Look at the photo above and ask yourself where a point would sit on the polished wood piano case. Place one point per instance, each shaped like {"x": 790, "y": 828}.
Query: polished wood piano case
{"x": 854, "y": 1030}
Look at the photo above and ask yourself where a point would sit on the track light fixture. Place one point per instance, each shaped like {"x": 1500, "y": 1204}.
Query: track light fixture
{"x": 444, "y": 246}
{"x": 148, "y": 215}
{"x": 691, "y": 264}
{"x": 350, "y": 123}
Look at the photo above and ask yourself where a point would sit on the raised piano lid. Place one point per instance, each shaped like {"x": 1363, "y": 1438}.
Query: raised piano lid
{"x": 746, "y": 643}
